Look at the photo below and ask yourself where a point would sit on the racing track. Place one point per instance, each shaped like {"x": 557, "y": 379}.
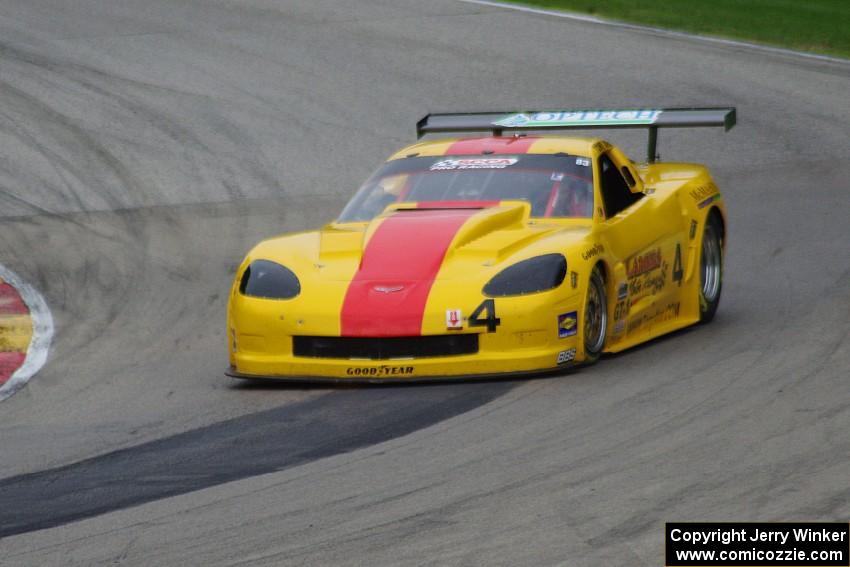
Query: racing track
{"x": 145, "y": 146}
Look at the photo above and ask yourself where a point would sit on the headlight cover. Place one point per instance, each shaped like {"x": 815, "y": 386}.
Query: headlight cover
{"x": 536, "y": 274}
{"x": 269, "y": 280}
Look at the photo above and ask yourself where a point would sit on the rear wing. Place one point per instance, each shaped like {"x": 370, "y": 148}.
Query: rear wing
{"x": 652, "y": 119}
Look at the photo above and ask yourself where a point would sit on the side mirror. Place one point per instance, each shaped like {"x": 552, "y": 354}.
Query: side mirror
{"x": 628, "y": 170}
{"x": 632, "y": 178}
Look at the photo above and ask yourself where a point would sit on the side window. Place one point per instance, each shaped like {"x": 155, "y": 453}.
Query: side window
{"x": 616, "y": 195}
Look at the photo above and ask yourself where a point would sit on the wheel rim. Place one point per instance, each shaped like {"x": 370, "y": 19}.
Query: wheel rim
{"x": 710, "y": 265}
{"x": 595, "y": 317}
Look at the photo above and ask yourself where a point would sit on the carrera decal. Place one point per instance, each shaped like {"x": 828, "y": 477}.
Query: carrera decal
{"x": 579, "y": 118}
{"x": 383, "y": 370}
{"x": 693, "y": 231}
{"x": 567, "y": 324}
{"x": 566, "y": 356}
{"x": 574, "y": 279}
{"x": 398, "y": 255}
{"x": 473, "y": 163}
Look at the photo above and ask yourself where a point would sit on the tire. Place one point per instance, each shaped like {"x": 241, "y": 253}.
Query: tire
{"x": 595, "y": 316}
{"x": 710, "y": 268}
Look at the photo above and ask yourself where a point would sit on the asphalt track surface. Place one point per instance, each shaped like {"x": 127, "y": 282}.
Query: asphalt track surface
{"x": 146, "y": 145}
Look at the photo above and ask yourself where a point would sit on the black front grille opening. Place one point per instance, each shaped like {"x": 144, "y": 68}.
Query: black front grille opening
{"x": 385, "y": 348}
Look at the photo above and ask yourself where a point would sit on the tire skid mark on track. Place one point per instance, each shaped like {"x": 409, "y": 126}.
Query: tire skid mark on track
{"x": 247, "y": 446}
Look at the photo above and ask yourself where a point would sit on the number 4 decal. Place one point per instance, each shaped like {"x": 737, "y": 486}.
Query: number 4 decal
{"x": 491, "y": 321}
{"x": 677, "y": 265}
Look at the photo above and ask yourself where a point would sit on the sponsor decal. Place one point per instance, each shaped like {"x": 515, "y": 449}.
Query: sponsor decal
{"x": 567, "y": 324}
{"x": 382, "y": 370}
{"x": 566, "y": 356}
{"x": 708, "y": 201}
{"x": 579, "y": 118}
{"x": 704, "y": 195}
{"x": 623, "y": 291}
{"x": 595, "y": 251}
{"x": 650, "y": 284}
{"x": 454, "y": 319}
{"x": 621, "y": 312}
{"x": 574, "y": 279}
{"x": 661, "y": 314}
{"x": 474, "y": 163}
{"x": 693, "y": 231}
{"x": 643, "y": 264}
{"x": 702, "y": 192}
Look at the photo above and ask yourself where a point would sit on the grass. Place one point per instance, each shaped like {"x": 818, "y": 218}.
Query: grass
{"x": 820, "y": 26}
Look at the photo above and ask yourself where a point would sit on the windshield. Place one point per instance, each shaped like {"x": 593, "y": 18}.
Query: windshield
{"x": 559, "y": 186}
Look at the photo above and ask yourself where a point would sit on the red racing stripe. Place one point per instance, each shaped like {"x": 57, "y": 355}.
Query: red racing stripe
{"x": 495, "y": 144}
{"x": 388, "y": 294}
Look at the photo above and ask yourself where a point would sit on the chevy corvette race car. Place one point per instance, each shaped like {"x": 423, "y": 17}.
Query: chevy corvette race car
{"x": 490, "y": 255}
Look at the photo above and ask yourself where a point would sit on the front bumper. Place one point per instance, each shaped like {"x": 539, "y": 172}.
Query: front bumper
{"x": 485, "y": 363}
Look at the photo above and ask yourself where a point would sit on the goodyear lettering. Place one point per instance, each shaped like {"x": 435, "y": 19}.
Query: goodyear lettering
{"x": 642, "y": 264}
{"x": 595, "y": 251}
{"x": 383, "y": 370}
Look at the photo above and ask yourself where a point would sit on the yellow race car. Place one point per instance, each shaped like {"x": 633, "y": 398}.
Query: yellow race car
{"x": 488, "y": 256}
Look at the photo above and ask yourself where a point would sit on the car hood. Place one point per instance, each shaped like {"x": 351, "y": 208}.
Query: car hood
{"x": 413, "y": 243}
{"x": 378, "y": 278}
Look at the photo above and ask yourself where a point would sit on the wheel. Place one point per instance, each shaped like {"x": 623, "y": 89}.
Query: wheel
{"x": 595, "y": 316}
{"x": 710, "y": 269}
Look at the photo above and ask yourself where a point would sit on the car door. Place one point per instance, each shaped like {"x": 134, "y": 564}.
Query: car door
{"x": 642, "y": 244}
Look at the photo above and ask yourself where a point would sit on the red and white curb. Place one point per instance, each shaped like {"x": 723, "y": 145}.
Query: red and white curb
{"x": 42, "y": 333}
